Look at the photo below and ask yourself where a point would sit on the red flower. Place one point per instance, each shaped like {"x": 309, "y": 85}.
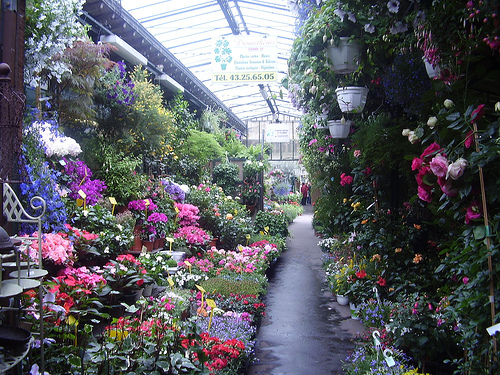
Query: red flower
{"x": 381, "y": 281}
{"x": 361, "y": 274}
{"x": 432, "y": 149}
{"x": 469, "y": 139}
{"x": 478, "y": 113}
{"x": 140, "y": 282}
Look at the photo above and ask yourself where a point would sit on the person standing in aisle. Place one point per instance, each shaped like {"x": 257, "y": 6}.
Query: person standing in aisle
{"x": 308, "y": 199}
{"x": 304, "y": 190}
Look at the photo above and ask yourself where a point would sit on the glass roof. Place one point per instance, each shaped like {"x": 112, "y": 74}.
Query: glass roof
{"x": 186, "y": 28}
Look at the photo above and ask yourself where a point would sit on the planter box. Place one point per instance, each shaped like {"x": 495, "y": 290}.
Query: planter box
{"x": 351, "y": 98}
{"x": 345, "y": 56}
{"x": 339, "y": 129}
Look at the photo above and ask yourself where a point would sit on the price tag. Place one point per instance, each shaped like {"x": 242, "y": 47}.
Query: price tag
{"x": 376, "y": 340}
{"x": 144, "y": 249}
{"x": 169, "y": 239}
{"x": 186, "y": 262}
{"x": 82, "y": 194}
{"x": 170, "y": 281}
{"x": 147, "y": 202}
{"x": 79, "y": 202}
{"x": 62, "y": 162}
{"x": 200, "y": 288}
{"x": 211, "y": 303}
{"x": 388, "y": 358}
{"x": 177, "y": 209}
{"x": 112, "y": 200}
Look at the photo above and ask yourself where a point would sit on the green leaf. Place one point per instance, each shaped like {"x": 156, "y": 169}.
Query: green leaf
{"x": 479, "y": 232}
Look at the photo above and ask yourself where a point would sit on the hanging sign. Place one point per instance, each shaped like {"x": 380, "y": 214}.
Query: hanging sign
{"x": 244, "y": 58}
{"x": 277, "y": 132}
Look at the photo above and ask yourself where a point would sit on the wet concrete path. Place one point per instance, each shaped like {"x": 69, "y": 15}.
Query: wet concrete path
{"x": 304, "y": 331}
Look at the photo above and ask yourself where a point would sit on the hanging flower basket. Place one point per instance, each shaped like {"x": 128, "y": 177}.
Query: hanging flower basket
{"x": 345, "y": 56}
{"x": 351, "y": 98}
{"x": 339, "y": 128}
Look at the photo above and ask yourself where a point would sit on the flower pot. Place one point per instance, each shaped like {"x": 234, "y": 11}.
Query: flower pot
{"x": 339, "y": 129}
{"x": 161, "y": 243}
{"x": 137, "y": 246}
{"x": 251, "y": 208}
{"x": 148, "y": 244}
{"x": 345, "y": 56}
{"x": 432, "y": 71}
{"x": 178, "y": 256}
{"x": 351, "y": 98}
{"x": 156, "y": 244}
{"x": 213, "y": 242}
{"x": 342, "y": 300}
{"x": 354, "y": 311}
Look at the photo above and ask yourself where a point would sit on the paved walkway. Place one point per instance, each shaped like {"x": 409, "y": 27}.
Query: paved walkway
{"x": 304, "y": 331}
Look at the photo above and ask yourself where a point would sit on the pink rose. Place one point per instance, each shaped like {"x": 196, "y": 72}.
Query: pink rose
{"x": 478, "y": 113}
{"x": 416, "y": 164}
{"x": 430, "y": 150}
{"x": 424, "y": 193}
{"x": 456, "y": 169}
{"x": 473, "y": 212}
{"x": 439, "y": 165}
{"x": 446, "y": 187}
{"x": 469, "y": 139}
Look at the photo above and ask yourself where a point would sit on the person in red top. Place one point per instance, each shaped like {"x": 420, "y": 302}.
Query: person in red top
{"x": 304, "y": 189}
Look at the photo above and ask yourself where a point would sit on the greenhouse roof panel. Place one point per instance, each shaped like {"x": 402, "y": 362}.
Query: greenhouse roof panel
{"x": 186, "y": 29}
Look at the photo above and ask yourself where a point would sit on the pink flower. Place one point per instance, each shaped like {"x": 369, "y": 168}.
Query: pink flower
{"x": 313, "y": 141}
{"x": 446, "y": 187}
{"x": 439, "y": 165}
{"x": 469, "y": 139}
{"x": 465, "y": 280}
{"x": 345, "y": 179}
{"x": 433, "y": 148}
{"x": 478, "y": 113}
{"x": 424, "y": 193}
{"x": 357, "y": 153}
{"x": 473, "y": 212}
{"x": 416, "y": 164}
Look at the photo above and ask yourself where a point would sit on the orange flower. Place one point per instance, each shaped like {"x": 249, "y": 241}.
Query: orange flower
{"x": 417, "y": 226}
{"x": 418, "y": 258}
{"x": 364, "y": 222}
{"x": 377, "y": 257}
{"x": 398, "y": 250}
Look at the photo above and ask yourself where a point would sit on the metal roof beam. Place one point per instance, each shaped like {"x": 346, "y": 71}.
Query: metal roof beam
{"x": 224, "y": 6}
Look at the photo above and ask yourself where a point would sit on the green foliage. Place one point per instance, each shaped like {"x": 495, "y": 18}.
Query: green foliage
{"x": 201, "y": 147}
{"x": 226, "y": 287}
{"x": 272, "y": 222}
{"x": 120, "y": 174}
{"x": 225, "y": 175}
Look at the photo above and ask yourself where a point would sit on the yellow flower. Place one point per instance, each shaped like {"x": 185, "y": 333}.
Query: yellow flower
{"x": 418, "y": 258}
{"x": 345, "y": 200}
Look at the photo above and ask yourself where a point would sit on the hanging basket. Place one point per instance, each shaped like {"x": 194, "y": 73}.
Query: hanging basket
{"x": 339, "y": 129}
{"x": 345, "y": 56}
{"x": 351, "y": 98}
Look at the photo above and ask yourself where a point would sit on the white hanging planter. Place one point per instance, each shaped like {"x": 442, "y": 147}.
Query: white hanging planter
{"x": 351, "y": 98}
{"x": 345, "y": 56}
{"x": 339, "y": 128}
{"x": 432, "y": 71}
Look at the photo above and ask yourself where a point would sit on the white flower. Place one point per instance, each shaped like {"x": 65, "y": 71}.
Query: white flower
{"x": 431, "y": 122}
{"x": 351, "y": 17}
{"x": 308, "y": 71}
{"x": 497, "y": 107}
{"x": 313, "y": 89}
{"x": 340, "y": 13}
{"x": 456, "y": 169}
{"x": 399, "y": 27}
{"x": 393, "y": 6}
{"x": 412, "y": 137}
{"x": 406, "y": 132}
{"x": 369, "y": 28}
{"x": 120, "y": 227}
{"x": 448, "y": 103}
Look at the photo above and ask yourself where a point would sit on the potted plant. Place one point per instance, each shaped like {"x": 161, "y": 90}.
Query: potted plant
{"x": 339, "y": 128}
{"x": 250, "y": 193}
{"x": 351, "y": 98}
{"x": 159, "y": 222}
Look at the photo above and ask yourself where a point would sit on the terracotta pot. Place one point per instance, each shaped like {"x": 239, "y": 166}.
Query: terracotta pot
{"x": 149, "y": 245}
{"x": 213, "y": 242}
{"x": 156, "y": 244}
{"x": 137, "y": 246}
{"x": 162, "y": 243}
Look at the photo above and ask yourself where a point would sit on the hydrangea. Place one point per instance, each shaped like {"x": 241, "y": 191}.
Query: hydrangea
{"x": 175, "y": 191}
